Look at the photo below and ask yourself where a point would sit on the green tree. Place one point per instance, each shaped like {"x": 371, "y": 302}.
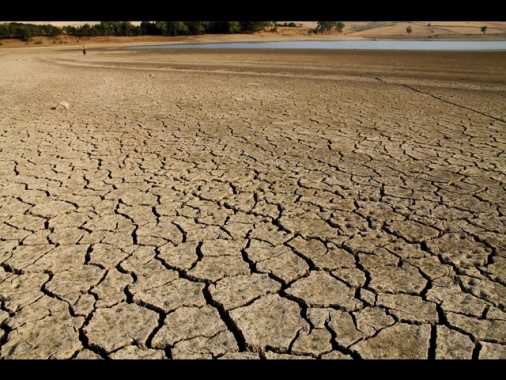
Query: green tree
{"x": 197, "y": 27}
{"x": 225, "y": 27}
{"x": 128, "y": 29}
{"x": 162, "y": 27}
{"x": 105, "y": 28}
{"x": 84, "y": 30}
{"x": 233, "y": 27}
{"x": 483, "y": 29}
{"x": 49, "y": 30}
{"x": 70, "y": 30}
{"x": 254, "y": 26}
{"x": 6, "y": 30}
{"x": 24, "y": 32}
{"x": 148, "y": 28}
{"x": 409, "y": 29}
{"x": 324, "y": 26}
{"x": 176, "y": 28}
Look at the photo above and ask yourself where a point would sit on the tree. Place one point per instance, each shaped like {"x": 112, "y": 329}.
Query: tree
{"x": 24, "y": 32}
{"x": 49, "y": 30}
{"x": 84, "y": 30}
{"x": 233, "y": 27}
{"x": 409, "y": 29}
{"x": 175, "y": 28}
{"x": 324, "y": 26}
{"x": 226, "y": 27}
{"x": 129, "y": 29}
{"x": 484, "y": 29}
{"x": 196, "y": 27}
{"x": 105, "y": 28}
{"x": 70, "y": 30}
{"x": 6, "y": 30}
{"x": 254, "y": 26}
{"x": 145, "y": 28}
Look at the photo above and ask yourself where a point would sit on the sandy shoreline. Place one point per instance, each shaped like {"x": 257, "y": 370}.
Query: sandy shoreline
{"x": 252, "y": 205}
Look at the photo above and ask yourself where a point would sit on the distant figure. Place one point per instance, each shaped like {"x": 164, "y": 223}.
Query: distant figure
{"x": 84, "y": 50}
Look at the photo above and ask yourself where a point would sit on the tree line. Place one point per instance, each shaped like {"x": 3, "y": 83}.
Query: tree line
{"x": 26, "y": 31}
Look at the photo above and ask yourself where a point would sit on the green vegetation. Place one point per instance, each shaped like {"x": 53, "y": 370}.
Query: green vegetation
{"x": 26, "y": 32}
{"x": 409, "y": 29}
{"x": 276, "y": 25}
{"x": 483, "y": 29}
{"x": 324, "y": 26}
{"x": 288, "y": 24}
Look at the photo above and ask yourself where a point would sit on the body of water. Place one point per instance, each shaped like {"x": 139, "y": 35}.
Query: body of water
{"x": 341, "y": 45}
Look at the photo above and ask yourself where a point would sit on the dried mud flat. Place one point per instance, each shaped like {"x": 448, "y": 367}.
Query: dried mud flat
{"x": 252, "y": 205}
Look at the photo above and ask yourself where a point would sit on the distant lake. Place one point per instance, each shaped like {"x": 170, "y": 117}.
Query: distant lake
{"x": 340, "y": 45}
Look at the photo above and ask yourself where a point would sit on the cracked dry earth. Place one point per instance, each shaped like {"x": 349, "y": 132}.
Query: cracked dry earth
{"x": 252, "y": 205}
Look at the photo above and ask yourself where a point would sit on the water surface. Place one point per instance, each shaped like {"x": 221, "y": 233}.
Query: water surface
{"x": 341, "y": 45}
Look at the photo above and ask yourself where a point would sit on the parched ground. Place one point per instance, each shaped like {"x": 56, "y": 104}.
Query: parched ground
{"x": 252, "y": 205}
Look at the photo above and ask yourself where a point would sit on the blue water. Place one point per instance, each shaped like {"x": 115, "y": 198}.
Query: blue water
{"x": 341, "y": 45}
